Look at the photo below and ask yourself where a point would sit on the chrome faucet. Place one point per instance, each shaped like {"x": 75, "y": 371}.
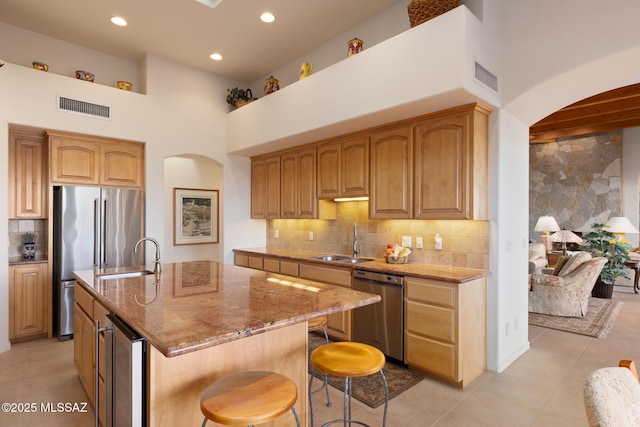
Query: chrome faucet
{"x": 356, "y": 251}
{"x": 158, "y": 267}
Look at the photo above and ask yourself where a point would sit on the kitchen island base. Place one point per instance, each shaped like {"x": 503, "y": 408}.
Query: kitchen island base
{"x": 176, "y": 383}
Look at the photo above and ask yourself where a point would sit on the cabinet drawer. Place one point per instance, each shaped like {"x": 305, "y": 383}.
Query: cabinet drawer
{"x": 431, "y": 291}
{"x": 431, "y": 321}
{"x": 84, "y": 299}
{"x": 242, "y": 260}
{"x": 433, "y": 356}
{"x": 334, "y": 276}
{"x": 289, "y": 268}
{"x": 272, "y": 265}
{"x": 255, "y": 262}
{"x": 99, "y": 312}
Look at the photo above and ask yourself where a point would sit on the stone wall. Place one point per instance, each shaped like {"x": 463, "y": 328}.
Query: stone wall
{"x": 576, "y": 180}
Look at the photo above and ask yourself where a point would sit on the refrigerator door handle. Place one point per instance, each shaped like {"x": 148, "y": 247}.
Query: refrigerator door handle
{"x": 96, "y": 232}
{"x": 66, "y": 284}
{"x": 104, "y": 234}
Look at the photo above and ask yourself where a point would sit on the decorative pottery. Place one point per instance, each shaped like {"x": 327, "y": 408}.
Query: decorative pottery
{"x": 29, "y": 250}
{"x": 85, "y": 75}
{"x": 355, "y": 46}
{"x": 40, "y": 66}
{"x": 125, "y": 85}
{"x": 271, "y": 85}
{"x": 305, "y": 70}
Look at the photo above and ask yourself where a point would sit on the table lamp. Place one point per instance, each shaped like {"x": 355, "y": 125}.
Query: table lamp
{"x": 619, "y": 225}
{"x": 546, "y": 224}
{"x": 565, "y": 236}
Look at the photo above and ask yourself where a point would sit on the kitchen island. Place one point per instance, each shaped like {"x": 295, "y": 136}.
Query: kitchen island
{"x": 205, "y": 320}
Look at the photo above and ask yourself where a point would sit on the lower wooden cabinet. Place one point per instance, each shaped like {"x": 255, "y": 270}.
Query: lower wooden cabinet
{"x": 28, "y": 296}
{"x": 86, "y": 311}
{"x": 446, "y": 328}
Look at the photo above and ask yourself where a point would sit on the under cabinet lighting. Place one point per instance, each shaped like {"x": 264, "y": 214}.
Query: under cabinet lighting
{"x": 350, "y": 199}
{"x": 215, "y": 56}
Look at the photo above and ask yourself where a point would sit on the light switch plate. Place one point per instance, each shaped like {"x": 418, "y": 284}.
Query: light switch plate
{"x": 276, "y": 234}
{"x": 406, "y": 241}
{"x": 418, "y": 242}
{"x": 311, "y": 235}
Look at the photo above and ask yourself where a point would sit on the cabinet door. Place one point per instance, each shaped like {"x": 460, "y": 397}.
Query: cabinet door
{"x": 307, "y": 206}
{"x": 27, "y": 296}
{"x": 122, "y": 164}
{"x": 272, "y": 198}
{"x": 83, "y": 350}
{"x": 354, "y": 180}
{"x": 329, "y": 171}
{"x": 258, "y": 188}
{"x": 391, "y": 174}
{"x": 288, "y": 193}
{"x": 73, "y": 161}
{"x": 27, "y": 175}
{"x": 441, "y": 164}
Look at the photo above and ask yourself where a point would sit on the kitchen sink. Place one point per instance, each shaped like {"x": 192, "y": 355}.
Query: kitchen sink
{"x": 342, "y": 258}
{"x": 332, "y": 257}
{"x": 355, "y": 260}
{"x": 124, "y": 274}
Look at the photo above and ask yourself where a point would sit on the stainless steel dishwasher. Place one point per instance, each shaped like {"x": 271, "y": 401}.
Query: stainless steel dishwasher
{"x": 381, "y": 324}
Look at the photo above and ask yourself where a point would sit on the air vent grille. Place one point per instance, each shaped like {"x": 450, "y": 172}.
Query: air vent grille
{"x": 83, "y": 108}
{"x": 486, "y": 77}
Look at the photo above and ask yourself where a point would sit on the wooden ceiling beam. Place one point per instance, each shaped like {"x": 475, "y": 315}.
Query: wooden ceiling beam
{"x": 614, "y": 109}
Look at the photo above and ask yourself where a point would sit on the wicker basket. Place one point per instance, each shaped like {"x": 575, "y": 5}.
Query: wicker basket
{"x": 422, "y": 10}
{"x": 397, "y": 259}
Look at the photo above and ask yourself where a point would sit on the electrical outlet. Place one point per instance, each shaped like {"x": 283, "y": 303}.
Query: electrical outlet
{"x": 438, "y": 242}
{"x": 311, "y": 235}
{"x": 276, "y": 234}
{"x": 406, "y": 241}
{"x": 418, "y": 242}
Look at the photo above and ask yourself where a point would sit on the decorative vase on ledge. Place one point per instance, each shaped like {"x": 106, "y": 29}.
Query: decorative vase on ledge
{"x": 29, "y": 247}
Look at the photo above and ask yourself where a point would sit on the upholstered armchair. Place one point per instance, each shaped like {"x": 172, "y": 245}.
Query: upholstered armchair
{"x": 568, "y": 292}
{"x": 537, "y": 257}
{"x": 612, "y": 396}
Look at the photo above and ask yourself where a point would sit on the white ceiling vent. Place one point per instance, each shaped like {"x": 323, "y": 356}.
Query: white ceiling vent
{"x": 486, "y": 77}
{"x": 83, "y": 108}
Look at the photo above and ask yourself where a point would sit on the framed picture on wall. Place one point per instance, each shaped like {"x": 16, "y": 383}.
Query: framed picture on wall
{"x": 195, "y": 219}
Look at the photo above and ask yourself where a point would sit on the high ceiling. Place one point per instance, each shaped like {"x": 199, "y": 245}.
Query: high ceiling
{"x": 615, "y": 109}
{"x": 188, "y": 31}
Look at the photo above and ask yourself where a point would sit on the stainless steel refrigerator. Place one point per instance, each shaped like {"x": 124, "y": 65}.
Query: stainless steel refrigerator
{"x": 93, "y": 227}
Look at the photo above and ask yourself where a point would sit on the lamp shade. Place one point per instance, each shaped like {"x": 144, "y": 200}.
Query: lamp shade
{"x": 621, "y": 224}
{"x": 546, "y": 223}
{"x": 565, "y": 236}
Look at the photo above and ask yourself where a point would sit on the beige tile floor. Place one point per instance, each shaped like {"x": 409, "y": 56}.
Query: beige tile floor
{"x": 541, "y": 388}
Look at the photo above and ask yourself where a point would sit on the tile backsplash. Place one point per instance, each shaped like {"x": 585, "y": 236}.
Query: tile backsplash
{"x": 464, "y": 243}
{"x": 17, "y": 228}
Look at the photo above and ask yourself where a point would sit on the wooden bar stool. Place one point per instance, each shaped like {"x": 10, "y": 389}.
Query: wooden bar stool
{"x": 317, "y": 324}
{"x": 349, "y": 360}
{"x": 249, "y": 398}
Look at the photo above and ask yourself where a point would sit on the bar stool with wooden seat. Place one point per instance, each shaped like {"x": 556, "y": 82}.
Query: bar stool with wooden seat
{"x": 349, "y": 360}
{"x": 314, "y": 325}
{"x": 249, "y": 398}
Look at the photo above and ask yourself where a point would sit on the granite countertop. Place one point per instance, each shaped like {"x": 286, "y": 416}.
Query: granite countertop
{"x": 424, "y": 271}
{"x": 200, "y": 304}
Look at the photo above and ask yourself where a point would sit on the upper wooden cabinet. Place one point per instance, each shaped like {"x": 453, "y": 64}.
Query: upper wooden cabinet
{"x": 343, "y": 168}
{"x": 298, "y": 184}
{"x": 429, "y": 167}
{"x": 450, "y": 166}
{"x": 391, "y": 173}
{"x": 85, "y": 160}
{"x": 27, "y": 175}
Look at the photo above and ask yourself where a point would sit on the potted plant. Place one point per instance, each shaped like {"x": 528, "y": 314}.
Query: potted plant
{"x": 237, "y": 97}
{"x": 600, "y": 242}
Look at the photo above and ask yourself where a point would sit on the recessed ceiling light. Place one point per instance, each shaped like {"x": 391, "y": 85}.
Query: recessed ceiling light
{"x": 215, "y": 56}
{"x": 119, "y": 21}
{"x": 267, "y": 17}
